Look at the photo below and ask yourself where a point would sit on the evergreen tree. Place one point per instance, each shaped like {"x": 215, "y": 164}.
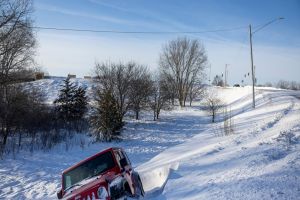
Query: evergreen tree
{"x": 104, "y": 119}
{"x": 71, "y": 104}
{"x": 80, "y": 105}
{"x": 65, "y": 103}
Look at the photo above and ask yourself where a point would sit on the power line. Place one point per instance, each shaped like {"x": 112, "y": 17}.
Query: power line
{"x": 264, "y": 25}
{"x": 136, "y": 32}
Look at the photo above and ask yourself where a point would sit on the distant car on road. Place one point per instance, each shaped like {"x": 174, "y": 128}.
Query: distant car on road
{"x": 106, "y": 175}
{"x": 236, "y": 85}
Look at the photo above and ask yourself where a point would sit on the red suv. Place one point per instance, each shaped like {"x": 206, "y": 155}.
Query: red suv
{"x": 107, "y": 175}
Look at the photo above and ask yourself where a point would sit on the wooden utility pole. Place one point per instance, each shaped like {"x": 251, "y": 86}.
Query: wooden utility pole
{"x": 252, "y": 69}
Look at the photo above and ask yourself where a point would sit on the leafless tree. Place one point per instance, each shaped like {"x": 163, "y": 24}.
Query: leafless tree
{"x": 17, "y": 42}
{"x": 140, "y": 89}
{"x": 160, "y": 95}
{"x": 197, "y": 91}
{"x": 283, "y": 84}
{"x": 22, "y": 112}
{"x": 13, "y": 15}
{"x": 168, "y": 85}
{"x": 184, "y": 61}
{"x": 117, "y": 78}
{"x": 213, "y": 103}
{"x": 293, "y": 85}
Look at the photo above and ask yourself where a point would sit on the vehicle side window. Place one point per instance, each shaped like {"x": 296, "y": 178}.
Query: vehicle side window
{"x": 125, "y": 155}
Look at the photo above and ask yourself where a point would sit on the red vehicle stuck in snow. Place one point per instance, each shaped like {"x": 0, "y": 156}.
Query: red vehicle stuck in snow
{"x": 106, "y": 175}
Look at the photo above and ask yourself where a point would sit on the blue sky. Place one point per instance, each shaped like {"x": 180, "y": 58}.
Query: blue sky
{"x": 276, "y": 47}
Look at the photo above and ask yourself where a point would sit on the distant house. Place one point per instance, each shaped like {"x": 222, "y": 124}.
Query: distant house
{"x": 87, "y": 77}
{"x": 71, "y": 76}
{"x": 39, "y": 75}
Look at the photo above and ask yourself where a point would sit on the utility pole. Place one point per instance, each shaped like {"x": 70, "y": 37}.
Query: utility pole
{"x": 252, "y": 69}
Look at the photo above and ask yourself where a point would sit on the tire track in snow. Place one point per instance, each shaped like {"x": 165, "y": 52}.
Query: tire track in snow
{"x": 156, "y": 175}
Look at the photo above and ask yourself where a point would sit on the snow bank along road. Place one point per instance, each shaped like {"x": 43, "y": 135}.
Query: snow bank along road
{"x": 261, "y": 160}
{"x": 183, "y": 156}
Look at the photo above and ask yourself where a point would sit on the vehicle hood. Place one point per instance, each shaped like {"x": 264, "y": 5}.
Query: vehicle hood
{"x": 89, "y": 187}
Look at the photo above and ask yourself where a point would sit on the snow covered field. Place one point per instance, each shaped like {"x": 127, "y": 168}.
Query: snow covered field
{"x": 183, "y": 155}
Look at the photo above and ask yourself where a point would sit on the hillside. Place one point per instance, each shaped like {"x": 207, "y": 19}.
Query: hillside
{"x": 183, "y": 155}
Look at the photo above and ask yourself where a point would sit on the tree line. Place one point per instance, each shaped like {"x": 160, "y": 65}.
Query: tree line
{"x": 282, "y": 84}
{"x": 130, "y": 87}
{"x": 120, "y": 89}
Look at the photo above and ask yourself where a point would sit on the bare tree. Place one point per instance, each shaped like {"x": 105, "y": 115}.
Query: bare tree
{"x": 213, "y": 103}
{"x": 168, "y": 85}
{"x": 140, "y": 89}
{"x": 160, "y": 95}
{"x": 184, "y": 60}
{"x": 118, "y": 78}
{"x": 17, "y": 42}
{"x": 197, "y": 90}
{"x": 283, "y": 84}
{"x": 13, "y": 15}
{"x": 293, "y": 85}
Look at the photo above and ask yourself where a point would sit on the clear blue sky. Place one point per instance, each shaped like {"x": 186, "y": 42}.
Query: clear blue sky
{"x": 276, "y": 47}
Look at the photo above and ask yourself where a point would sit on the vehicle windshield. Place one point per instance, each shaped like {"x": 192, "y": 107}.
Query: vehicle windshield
{"x": 88, "y": 169}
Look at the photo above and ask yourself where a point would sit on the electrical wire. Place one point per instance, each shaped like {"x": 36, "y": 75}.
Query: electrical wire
{"x": 266, "y": 24}
{"x": 137, "y": 32}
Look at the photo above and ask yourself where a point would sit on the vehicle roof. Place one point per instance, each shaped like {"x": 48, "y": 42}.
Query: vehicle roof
{"x": 90, "y": 158}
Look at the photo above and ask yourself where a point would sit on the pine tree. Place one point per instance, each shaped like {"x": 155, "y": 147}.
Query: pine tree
{"x": 104, "y": 119}
{"x": 71, "y": 106}
{"x": 80, "y": 105}
{"x": 65, "y": 103}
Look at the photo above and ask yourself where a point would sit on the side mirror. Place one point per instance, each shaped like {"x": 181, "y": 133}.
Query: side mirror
{"x": 59, "y": 194}
{"x": 123, "y": 162}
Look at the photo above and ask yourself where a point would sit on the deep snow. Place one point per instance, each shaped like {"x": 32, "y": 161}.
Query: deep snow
{"x": 183, "y": 155}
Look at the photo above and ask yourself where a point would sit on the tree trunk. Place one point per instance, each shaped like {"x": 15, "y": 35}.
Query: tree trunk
{"x": 20, "y": 138}
{"x": 184, "y": 100}
{"x": 5, "y": 137}
{"x": 136, "y": 114}
{"x": 180, "y": 101}
{"x": 157, "y": 114}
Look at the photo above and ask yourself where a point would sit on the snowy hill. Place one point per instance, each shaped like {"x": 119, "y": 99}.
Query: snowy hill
{"x": 52, "y": 85}
{"x": 183, "y": 155}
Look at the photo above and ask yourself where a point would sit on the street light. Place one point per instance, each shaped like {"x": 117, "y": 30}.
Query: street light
{"x": 252, "y": 67}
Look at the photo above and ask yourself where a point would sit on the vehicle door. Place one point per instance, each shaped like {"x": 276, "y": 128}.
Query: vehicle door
{"x": 126, "y": 168}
